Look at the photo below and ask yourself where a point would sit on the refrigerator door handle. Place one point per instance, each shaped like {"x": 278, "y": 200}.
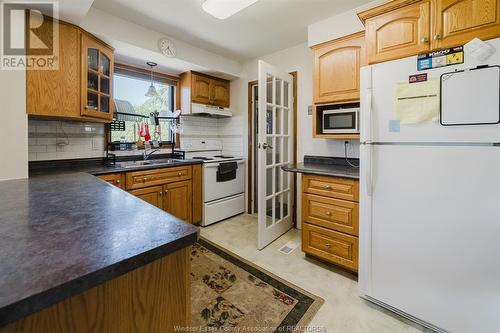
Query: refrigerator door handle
{"x": 367, "y": 119}
{"x": 368, "y": 171}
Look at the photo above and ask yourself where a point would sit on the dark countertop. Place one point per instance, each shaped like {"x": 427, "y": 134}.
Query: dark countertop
{"x": 98, "y": 168}
{"x": 325, "y": 166}
{"x": 62, "y": 235}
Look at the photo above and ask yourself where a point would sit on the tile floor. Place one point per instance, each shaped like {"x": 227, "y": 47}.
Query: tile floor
{"x": 343, "y": 311}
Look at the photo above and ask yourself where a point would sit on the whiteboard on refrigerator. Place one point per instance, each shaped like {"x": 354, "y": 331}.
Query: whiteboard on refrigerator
{"x": 471, "y": 97}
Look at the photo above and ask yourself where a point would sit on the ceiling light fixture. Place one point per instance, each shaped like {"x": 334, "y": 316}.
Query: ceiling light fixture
{"x": 152, "y": 90}
{"x": 222, "y": 9}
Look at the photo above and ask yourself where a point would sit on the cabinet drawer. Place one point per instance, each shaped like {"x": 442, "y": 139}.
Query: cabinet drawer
{"x": 340, "y": 188}
{"x": 339, "y": 215}
{"x": 332, "y": 246}
{"x": 116, "y": 179}
{"x": 140, "y": 179}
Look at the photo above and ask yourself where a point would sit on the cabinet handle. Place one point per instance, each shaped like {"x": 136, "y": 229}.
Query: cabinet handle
{"x": 144, "y": 180}
{"x": 90, "y": 107}
{"x": 328, "y": 245}
{"x": 437, "y": 37}
{"x": 161, "y": 193}
{"x": 118, "y": 181}
{"x": 179, "y": 174}
{"x": 328, "y": 187}
{"x": 424, "y": 40}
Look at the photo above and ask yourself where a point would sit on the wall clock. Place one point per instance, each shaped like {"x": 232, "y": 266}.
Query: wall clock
{"x": 167, "y": 47}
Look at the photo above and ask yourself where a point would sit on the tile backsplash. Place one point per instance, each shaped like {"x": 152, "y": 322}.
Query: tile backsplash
{"x": 213, "y": 128}
{"x": 62, "y": 140}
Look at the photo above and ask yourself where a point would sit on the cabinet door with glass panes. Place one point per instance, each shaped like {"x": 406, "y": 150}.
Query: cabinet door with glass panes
{"x": 97, "y": 79}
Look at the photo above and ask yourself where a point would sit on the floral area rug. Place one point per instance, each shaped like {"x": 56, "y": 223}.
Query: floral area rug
{"x": 230, "y": 294}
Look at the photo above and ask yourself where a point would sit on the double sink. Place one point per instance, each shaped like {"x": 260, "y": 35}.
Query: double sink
{"x": 135, "y": 164}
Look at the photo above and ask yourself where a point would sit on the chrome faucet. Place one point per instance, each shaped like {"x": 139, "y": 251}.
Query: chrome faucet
{"x": 148, "y": 155}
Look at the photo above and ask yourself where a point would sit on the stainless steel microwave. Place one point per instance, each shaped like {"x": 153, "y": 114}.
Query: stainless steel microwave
{"x": 341, "y": 121}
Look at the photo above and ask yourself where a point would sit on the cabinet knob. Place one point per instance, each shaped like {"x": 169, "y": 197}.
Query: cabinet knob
{"x": 161, "y": 193}
{"x": 118, "y": 181}
{"x": 424, "y": 40}
{"x": 328, "y": 213}
{"x": 179, "y": 174}
{"x": 144, "y": 180}
{"x": 328, "y": 245}
{"x": 437, "y": 37}
{"x": 328, "y": 187}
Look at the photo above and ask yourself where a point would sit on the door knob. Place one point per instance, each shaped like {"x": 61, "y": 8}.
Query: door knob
{"x": 265, "y": 146}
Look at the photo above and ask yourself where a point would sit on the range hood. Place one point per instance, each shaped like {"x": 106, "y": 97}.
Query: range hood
{"x": 202, "y": 110}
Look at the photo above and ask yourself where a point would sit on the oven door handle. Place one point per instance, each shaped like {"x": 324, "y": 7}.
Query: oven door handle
{"x": 215, "y": 165}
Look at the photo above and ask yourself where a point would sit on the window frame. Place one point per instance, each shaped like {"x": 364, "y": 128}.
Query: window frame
{"x": 144, "y": 74}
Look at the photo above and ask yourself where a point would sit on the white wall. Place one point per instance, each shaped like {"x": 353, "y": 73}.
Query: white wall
{"x": 112, "y": 28}
{"x": 14, "y": 132}
{"x": 337, "y": 26}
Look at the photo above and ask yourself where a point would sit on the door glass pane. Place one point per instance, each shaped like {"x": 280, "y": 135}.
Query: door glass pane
{"x": 92, "y": 100}
{"x": 286, "y": 180}
{"x": 93, "y": 59}
{"x": 104, "y": 65}
{"x": 277, "y": 150}
{"x": 285, "y": 121}
{"x": 277, "y": 179}
{"x": 279, "y": 82}
{"x": 286, "y": 158}
{"x": 278, "y": 120}
{"x": 104, "y": 104}
{"x": 269, "y": 120}
{"x": 105, "y": 85}
{"x": 285, "y": 204}
{"x": 285, "y": 91}
{"x": 269, "y": 212}
{"x": 269, "y": 181}
{"x": 92, "y": 81}
{"x": 269, "y": 150}
{"x": 269, "y": 86}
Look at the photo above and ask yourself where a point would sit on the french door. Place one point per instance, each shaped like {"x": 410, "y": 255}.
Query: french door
{"x": 274, "y": 150}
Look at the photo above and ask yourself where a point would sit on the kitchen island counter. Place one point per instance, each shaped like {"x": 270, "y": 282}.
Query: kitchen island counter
{"x": 63, "y": 235}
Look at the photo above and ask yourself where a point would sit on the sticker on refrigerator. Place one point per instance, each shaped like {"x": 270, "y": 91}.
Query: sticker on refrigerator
{"x": 442, "y": 58}
{"x": 418, "y": 78}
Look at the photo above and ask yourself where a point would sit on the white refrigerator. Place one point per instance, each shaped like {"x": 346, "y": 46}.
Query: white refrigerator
{"x": 429, "y": 208}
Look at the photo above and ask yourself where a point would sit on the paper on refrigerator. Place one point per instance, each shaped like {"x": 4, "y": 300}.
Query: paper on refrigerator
{"x": 417, "y": 102}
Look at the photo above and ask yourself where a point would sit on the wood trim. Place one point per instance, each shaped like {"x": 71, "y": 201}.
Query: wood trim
{"x": 145, "y": 73}
{"x": 123, "y": 304}
{"x": 384, "y": 8}
{"x": 210, "y": 76}
{"x": 295, "y": 113}
{"x": 338, "y": 40}
{"x": 250, "y": 145}
{"x": 197, "y": 194}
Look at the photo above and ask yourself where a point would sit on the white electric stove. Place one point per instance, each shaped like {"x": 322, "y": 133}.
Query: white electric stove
{"x": 223, "y": 196}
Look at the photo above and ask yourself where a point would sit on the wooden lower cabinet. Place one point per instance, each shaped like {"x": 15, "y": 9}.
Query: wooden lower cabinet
{"x": 116, "y": 179}
{"x": 152, "y": 195}
{"x": 152, "y": 298}
{"x": 177, "y": 190}
{"x": 330, "y": 216}
{"x": 333, "y": 246}
{"x": 177, "y": 200}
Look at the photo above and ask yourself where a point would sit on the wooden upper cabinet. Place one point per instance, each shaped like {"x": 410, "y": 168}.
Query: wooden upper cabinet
{"x": 201, "y": 89}
{"x": 399, "y": 33}
{"x": 178, "y": 199}
{"x": 97, "y": 79}
{"x": 459, "y": 21}
{"x": 337, "y": 69}
{"x": 220, "y": 93}
{"x": 401, "y": 28}
{"x": 80, "y": 88}
{"x": 50, "y": 93}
